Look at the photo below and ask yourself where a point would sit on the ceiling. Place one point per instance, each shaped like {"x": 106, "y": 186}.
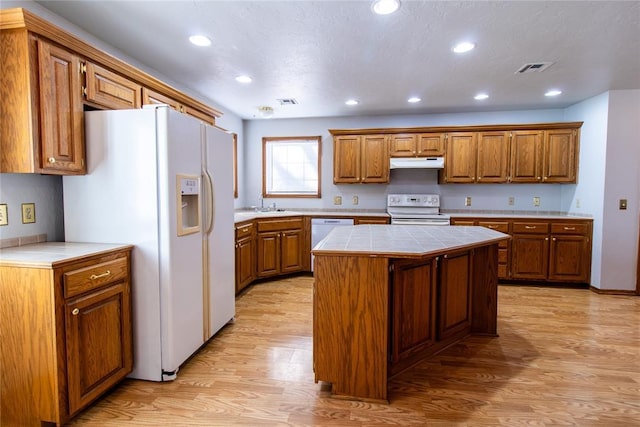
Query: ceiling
{"x": 322, "y": 53}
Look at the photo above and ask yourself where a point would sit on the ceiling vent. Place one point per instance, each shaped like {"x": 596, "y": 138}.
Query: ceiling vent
{"x": 534, "y": 67}
{"x": 287, "y": 101}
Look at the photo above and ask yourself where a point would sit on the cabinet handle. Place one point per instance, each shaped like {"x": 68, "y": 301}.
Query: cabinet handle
{"x": 570, "y": 228}
{"x": 492, "y": 226}
{"x": 98, "y": 276}
{"x": 52, "y": 160}
{"x": 539, "y": 178}
{"x": 530, "y": 227}
{"x": 546, "y": 239}
{"x": 75, "y": 311}
{"x": 553, "y": 238}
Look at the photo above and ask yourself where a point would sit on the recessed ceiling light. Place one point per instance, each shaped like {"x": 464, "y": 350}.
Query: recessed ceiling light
{"x": 463, "y": 47}
{"x": 385, "y": 7}
{"x": 481, "y": 96}
{"x": 553, "y": 92}
{"x": 351, "y": 102}
{"x": 414, "y": 99}
{"x": 244, "y": 79}
{"x": 199, "y": 40}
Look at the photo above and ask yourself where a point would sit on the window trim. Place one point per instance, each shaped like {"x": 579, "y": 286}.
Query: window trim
{"x": 268, "y": 139}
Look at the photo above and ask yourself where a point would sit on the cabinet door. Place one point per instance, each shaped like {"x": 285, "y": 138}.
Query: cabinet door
{"x": 268, "y": 254}
{"x": 98, "y": 342}
{"x": 569, "y": 258}
{"x": 111, "y": 90}
{"x": 375, "y": 159}
{"x": 529, "y": 256}
{"x": 245, "y": 262}
{"x": 346, "y": 159}
{"x": 526, "y": 156}
{"x": 560, "y": 156}
{"x": 455, "y": 294}
{"x": 493, "y": 157}
{"x": 291, "y": 244}
{"x": 414, "y": 308}
{"x": 61, "y": 113}
{"x": 403, "y": 145}
{"x": 152, "y": 97}
{"x": 430, "y": 144}
{"x": 460, "y": 160}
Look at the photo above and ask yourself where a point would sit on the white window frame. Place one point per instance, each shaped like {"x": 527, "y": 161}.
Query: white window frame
{"x": 275, "y": 188}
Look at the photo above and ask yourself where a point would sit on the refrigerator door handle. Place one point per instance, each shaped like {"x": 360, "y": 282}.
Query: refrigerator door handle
{"x": 210, "y": 206}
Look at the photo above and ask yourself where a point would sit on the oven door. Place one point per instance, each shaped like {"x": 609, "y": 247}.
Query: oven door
{"x": 420, "y": 221}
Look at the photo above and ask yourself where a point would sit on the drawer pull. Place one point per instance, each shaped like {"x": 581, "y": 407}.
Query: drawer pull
{"x": 52, "y": 160}
{"x": 570, "y": 228}
{"x": 530, "y": 227}
{"x": 492, "y": 226}
{"x": 98, "y": 276}
{"x": 75, "y": 311}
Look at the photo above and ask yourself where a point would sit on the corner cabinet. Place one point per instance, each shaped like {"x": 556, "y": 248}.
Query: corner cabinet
{"x": 41, "y": 103}
{"x": 360, "y": 159}
{"x": 67, "y": 334}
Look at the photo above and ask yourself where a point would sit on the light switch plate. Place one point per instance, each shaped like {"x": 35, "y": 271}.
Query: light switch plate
{"x": 4, "y": 218}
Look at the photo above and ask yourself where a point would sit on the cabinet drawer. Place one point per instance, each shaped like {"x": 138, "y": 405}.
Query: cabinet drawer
{"x": 280, "y": 225}
{"x": 569, "y": 228}
{"x": 502, "y": 227}
{"x": 530, "y": 227}
{"x": 85, "y": 279}
{"x": 244, "y": 230}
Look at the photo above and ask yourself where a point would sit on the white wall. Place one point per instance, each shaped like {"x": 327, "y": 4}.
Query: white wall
{"x": 622, "y": 181}
{"x": 594, "y": 113}
{"x": 45, "y": 191}
{"x": 373, "y": 196}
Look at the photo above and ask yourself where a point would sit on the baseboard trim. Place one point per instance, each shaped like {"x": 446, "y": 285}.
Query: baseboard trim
{"x": 613, "y": 291}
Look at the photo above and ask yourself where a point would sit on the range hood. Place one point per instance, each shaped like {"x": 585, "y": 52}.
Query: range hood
{"x": 417, "y": 163}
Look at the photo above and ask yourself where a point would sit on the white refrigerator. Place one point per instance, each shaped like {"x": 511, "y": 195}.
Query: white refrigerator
{"x": 162, "y": 181}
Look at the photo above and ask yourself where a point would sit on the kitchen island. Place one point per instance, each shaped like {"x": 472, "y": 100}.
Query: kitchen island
{"x": 388, "y": 296}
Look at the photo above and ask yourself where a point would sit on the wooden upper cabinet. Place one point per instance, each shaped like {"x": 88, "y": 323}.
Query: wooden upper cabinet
{"x": 417, "y": 145}
{"x": 460, "y": 157}
{"x": 560, "y": 156}
{"x": 360, "y": 159}
{"x": 152, "y": 97}
{"x": 110, "y": 90}
{"x": 403, "y": 145}
{"x": 41, "y": 104}
{"x": 430, "y": 144}
{"x": 375, "y": 159}
{"x": 493, "y": 157}
{"x": 526, "y": 156}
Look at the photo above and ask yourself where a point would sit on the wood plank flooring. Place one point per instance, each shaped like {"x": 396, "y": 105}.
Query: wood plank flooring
{"x": 564, "y": 357}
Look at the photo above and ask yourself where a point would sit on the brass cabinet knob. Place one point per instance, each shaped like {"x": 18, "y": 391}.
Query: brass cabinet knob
{"x": 75, "y": 311}
{"x": 51, "y": 160}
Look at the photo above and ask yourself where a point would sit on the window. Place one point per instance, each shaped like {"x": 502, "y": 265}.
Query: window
{"x": 291, "y": 166}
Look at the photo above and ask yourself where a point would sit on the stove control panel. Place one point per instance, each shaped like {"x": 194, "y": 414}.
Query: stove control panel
{"x": 414, "y": 200}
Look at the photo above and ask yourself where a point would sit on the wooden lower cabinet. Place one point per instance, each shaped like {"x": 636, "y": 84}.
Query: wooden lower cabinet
{"x": 280, "y": 246}
{"x": 455, "y": 294}
{"x": 371, "y": 220}
{"x": 66, "y": 335}
{"x": 552, "y": 250}
{"x": 413, "y": 302}
{"x": 245, "y": 255}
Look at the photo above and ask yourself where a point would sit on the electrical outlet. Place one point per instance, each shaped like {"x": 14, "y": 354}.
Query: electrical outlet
{"x": 467, "y": 201}
{"x": 512, "y": 200}
{"x": 337, "y": 200}
{"x": 577, "y": 203}
{"x": 536, "y": 201}
{"x": 354, "y": 200}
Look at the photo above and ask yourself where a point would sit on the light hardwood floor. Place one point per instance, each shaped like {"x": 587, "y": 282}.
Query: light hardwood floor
{"x": 564, "y": 357}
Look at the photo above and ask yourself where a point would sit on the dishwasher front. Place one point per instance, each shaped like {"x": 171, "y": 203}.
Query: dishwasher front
{"x": 320, "y": 227}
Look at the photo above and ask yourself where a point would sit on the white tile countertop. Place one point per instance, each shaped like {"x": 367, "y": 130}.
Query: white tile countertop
{"x": 48, "y": 254}
{"x": 404, "y": 241}
{"x": 245, "y": 215}
{"x": 515, "y": 214}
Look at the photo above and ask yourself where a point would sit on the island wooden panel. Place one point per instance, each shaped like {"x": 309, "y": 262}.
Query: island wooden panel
{"x": 351, "y": 318}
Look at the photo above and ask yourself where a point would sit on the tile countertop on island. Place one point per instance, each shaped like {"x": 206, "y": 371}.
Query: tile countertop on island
{"x": 404, "y": 241}
{"x": 49, "y": 254}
